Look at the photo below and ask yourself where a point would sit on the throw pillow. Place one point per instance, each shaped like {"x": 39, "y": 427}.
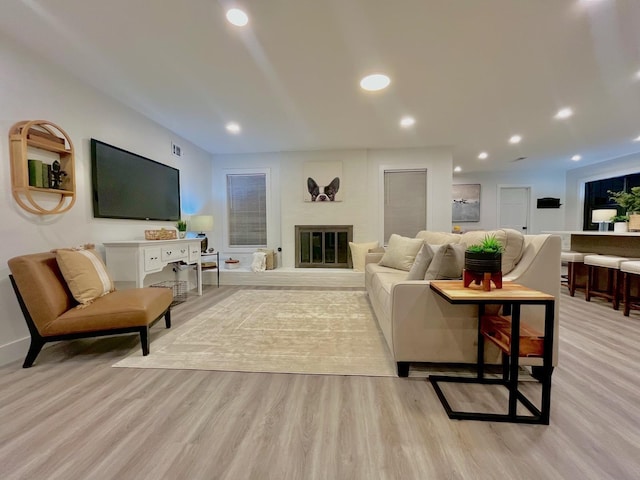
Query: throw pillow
{"x": 85, "y": 274}
{"x": 359, "y": 252}
{"x": 401, "y": 252}
{"x": 421, "y": 263}
{"x": 447, "y": 263}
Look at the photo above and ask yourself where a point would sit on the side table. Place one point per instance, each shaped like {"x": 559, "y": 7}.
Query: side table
{"x": 207, "y": 260}
{"x": 513, "y": 337}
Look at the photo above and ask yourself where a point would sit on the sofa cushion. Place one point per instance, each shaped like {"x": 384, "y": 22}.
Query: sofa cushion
{"x": 359, "y": 252}
{"x": 512, "y": 241}
{"x": 438, "y": 238}
{"x": 85, "y": 274}
{"x": 421, "y": 263}
{"x": 447, "y": 263}
{"x": 401, "y": 252}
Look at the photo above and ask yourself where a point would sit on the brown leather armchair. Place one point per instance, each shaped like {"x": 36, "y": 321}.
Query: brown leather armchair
{"x": 51, "y": 316}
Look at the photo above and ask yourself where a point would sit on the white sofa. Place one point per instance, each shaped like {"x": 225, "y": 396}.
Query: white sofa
{"x": 420, "y": 326}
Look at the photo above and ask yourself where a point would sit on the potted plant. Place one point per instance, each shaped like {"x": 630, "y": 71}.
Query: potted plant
{"x": 483, "y": 263}
{"x": 620, "y": 223}
{"x": 182, "y": 228}
{"x": 630, "y": 201}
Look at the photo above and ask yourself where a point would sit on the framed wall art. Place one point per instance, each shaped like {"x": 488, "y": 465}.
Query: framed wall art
{"x": 322, "y": 182}
{"x": 466, "y": 203}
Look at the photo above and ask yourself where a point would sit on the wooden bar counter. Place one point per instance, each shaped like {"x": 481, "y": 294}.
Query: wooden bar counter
{"x": 606, "y": 243}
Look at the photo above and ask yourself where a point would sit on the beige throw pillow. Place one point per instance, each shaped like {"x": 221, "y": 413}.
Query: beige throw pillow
{"x": 359, "y": 252}
{"x": 85, "y": 274}
{"x": 447, "y": 263}
{"x": 401, "y": 252}
{"x": 421, "y": 263}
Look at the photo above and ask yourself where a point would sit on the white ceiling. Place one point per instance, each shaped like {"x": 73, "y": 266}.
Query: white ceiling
{"x": 472, "y": 72}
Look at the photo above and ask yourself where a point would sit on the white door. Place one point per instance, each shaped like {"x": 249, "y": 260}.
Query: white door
{"x": 513, "y": 204}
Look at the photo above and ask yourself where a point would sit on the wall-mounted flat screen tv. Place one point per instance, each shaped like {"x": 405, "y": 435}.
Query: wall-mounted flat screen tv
{"x": 126, "y": 185}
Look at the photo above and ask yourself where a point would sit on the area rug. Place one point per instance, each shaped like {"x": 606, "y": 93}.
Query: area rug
{"x": 280, "y": 331}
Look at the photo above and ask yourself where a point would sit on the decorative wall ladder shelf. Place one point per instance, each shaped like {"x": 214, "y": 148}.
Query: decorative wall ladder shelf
{"x": 47, "y": 137}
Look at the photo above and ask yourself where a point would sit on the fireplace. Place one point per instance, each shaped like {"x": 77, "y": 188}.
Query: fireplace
{"x": 323, "y": 246}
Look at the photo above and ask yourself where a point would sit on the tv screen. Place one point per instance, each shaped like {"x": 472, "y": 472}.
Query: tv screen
{"x": 126, "y": 185}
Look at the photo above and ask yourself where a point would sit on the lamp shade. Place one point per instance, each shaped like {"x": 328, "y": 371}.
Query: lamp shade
{"x": 201, "y": 223}
{"x": 603, "y": 215}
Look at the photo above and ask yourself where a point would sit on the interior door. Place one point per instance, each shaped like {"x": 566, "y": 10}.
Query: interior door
{"x": 513, "y": 204}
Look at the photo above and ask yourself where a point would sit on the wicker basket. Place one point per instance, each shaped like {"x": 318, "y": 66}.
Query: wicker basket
{"x": 634, "y": 222}
{"x": 162, "y": 234}
{"x": 178, "y": 287}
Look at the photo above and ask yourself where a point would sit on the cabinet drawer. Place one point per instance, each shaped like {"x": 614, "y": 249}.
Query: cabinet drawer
{"x": 152, "y": 259}
{"x": 175, "y": 253}
{"x": 194, "y": 253}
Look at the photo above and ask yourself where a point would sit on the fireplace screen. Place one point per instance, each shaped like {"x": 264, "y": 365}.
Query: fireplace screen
{"x": 325, "y": 246}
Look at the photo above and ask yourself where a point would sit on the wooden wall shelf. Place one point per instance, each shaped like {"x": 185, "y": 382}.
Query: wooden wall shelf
{"x": 47, "y": 137}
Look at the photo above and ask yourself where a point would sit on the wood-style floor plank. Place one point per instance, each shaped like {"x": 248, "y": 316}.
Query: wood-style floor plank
{"x": 73, "y": 416}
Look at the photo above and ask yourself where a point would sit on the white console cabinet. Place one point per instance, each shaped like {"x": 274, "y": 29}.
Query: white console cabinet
{"x": 132, "y": 260}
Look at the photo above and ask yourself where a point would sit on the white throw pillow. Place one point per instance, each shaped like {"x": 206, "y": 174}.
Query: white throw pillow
{"x": 359, "y": 252}
{"x": 401, "y": 252}
{"x": 421, "y": 263}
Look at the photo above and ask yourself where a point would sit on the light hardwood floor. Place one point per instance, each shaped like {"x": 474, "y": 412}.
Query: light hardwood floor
{"x": 72, "y": 416}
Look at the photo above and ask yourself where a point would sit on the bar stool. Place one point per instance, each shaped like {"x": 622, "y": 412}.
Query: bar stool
{"x": 611, "y": 264}
{"x": 574, "y": 261}
{"x": 630, "y": 270}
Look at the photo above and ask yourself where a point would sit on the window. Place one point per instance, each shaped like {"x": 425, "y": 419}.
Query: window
{"x": 596, "y": 195}
{"x": 405, "y": 202}
{"x": 247, "y": 210}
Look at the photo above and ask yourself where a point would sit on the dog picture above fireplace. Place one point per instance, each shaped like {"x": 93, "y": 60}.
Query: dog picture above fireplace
{"x": 323, "y": 246}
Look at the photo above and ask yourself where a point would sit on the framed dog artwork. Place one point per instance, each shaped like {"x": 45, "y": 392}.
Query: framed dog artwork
{"x": 322, "y": 182}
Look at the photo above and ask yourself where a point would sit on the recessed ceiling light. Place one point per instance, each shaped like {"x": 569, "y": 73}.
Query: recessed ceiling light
{"x": 515, "y": 139}
{"x": 233, "y": 127}
{"x": 406, "y": 122}
{"x": 483, "y": 155}
{"x": 637, "y": 139}
{"x": 457, "y": 169}
{"x": 375, "y": 82}
{"x": 237, "y": 17}
{"x": 576, "y": 158}
{"x": 564, "y": 113}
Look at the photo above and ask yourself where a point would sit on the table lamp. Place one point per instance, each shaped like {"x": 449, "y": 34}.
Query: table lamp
{"x": 201, "y": 224}
{"x": 603, "y": 217}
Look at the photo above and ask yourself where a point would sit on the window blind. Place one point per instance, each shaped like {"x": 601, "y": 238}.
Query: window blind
{"x": 247, "y": 210}
{"x": 405, "y": 202}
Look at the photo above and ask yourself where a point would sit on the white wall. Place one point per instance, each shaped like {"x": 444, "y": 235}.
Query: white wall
{"x": 542, "y": 184}
{"x": 577, "y": 177}
{"x": 31, "y": 88}
{"x": 361, "y": 187}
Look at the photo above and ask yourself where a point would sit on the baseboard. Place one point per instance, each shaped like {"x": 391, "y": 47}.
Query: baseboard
{"x": 13, "y": 351}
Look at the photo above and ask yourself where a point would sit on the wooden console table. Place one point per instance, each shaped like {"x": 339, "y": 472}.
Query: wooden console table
{"x": 513, "y": 337}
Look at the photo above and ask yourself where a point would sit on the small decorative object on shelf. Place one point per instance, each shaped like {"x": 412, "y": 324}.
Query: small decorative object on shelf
{"x": 182, "y": 228}
{"x": 30, "y": 139}
{"x": 483, "y": 263}
{"x": 162, "y": 234}
{"x": 231, "y": 263}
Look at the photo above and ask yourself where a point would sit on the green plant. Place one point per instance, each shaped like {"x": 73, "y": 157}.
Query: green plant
{"x": 490, "y": 244}
{"x": 620, "y": 218}
{"x": 630, "y": 201}
{"x": 182, "y": 225}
